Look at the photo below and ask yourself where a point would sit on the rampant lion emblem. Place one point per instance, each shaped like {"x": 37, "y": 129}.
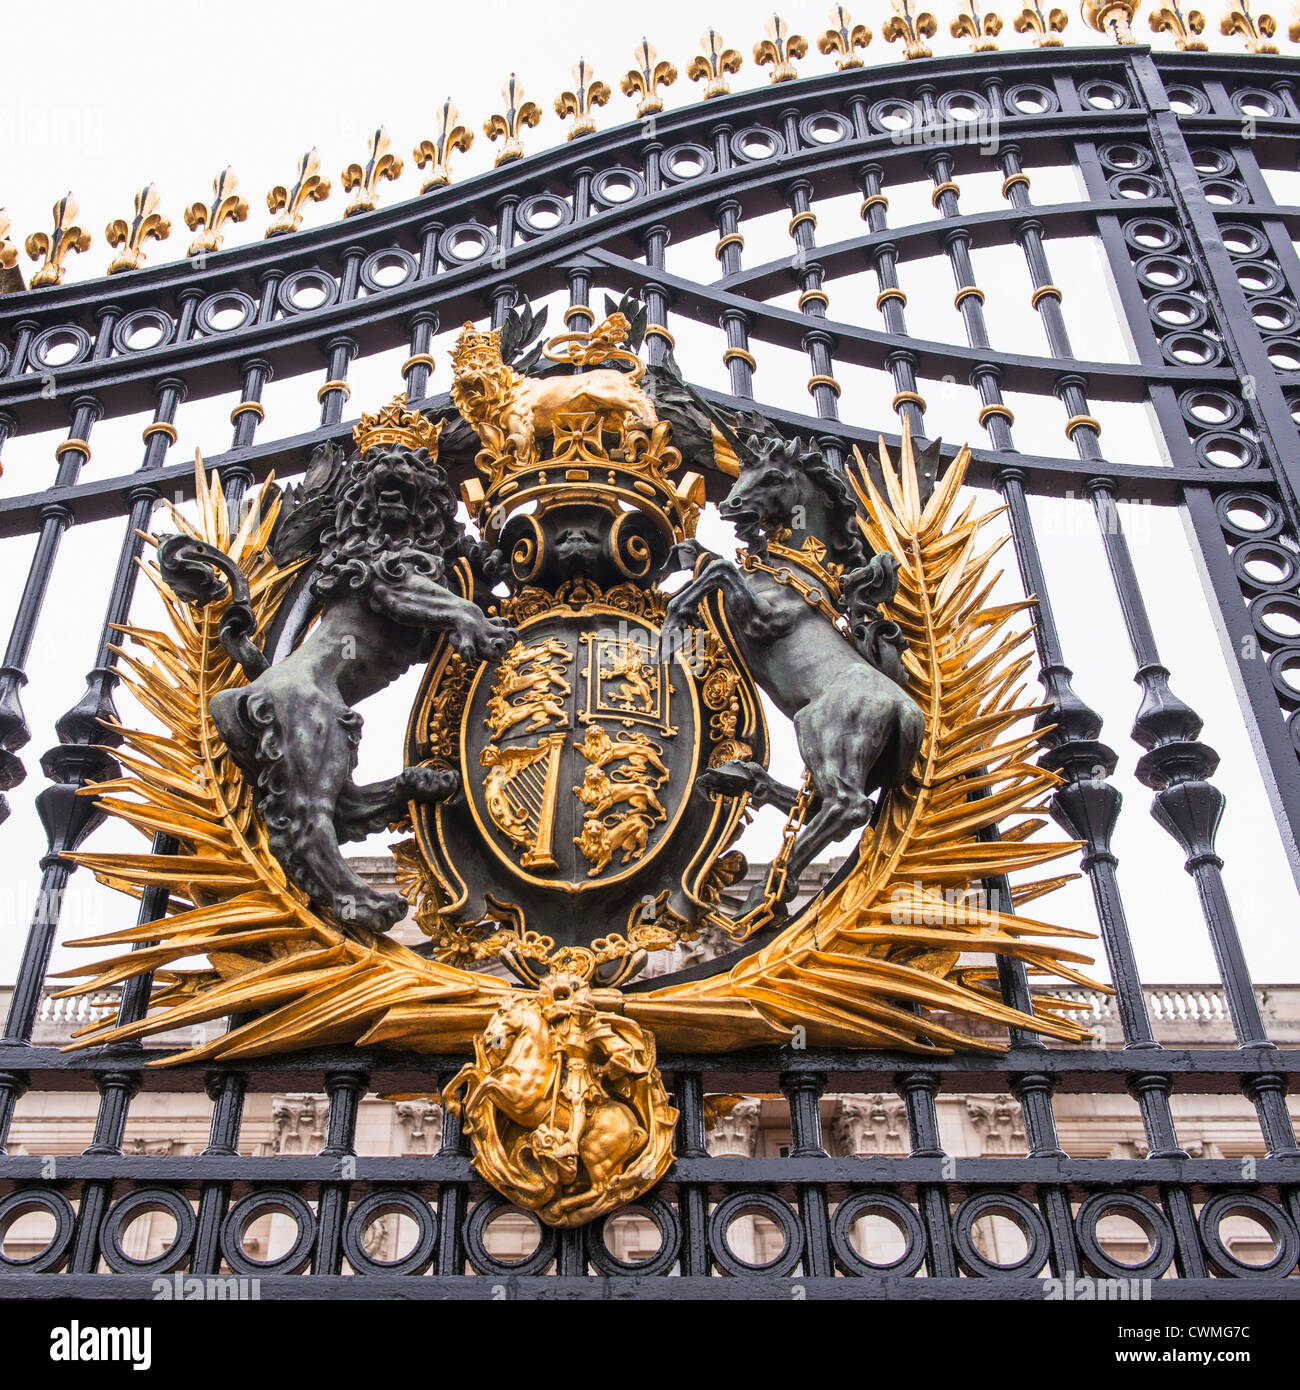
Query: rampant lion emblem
{"x": 386, "y": 551}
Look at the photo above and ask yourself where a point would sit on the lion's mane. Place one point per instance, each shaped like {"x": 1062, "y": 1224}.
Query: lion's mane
{"x": 356, "y": 547}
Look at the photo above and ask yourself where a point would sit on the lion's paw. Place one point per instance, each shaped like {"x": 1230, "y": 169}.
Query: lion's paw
{"x": 378, "y": 912}
{"x": 494, "y": 639}
{"x": 431, "y": 783}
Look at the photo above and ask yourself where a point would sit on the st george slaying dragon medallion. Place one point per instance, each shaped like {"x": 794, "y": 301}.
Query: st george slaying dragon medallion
{"x": 586, "y": 750}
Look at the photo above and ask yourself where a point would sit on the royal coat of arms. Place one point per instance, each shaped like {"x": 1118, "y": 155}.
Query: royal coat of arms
{"x": 586, "y": 750}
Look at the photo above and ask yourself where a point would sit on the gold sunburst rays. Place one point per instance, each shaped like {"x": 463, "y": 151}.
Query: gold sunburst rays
{"x": 267, "y": 950}
{"x": 854, "y": 968}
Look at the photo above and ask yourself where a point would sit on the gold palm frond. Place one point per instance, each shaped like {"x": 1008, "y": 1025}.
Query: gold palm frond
{"x": 870, "y": 963}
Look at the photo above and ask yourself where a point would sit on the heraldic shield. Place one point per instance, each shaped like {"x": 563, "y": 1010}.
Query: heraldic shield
{"x": 578, "y": 755}
{"x": 585, "y": 751}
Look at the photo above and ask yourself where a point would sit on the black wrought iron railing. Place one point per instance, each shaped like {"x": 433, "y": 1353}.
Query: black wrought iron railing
{"x": 1171, "y": 153}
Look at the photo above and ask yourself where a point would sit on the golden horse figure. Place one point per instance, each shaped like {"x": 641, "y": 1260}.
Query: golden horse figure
{"x": 567, "y": 1112}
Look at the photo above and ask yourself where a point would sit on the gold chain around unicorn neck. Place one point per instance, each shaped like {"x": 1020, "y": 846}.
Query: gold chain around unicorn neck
{"x": 821, "y": 595}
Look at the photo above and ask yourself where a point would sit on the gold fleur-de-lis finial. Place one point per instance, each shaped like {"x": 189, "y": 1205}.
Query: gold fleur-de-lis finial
{"x": 780, "y": 48}
{"x": 450, "y": 136}
{"x": 309, "y": 187}
{"x": 843, "y": 38}
{"x": 1184, "y": 27}
{"x": 1293, "y": 29}
{"x": 587, "y": 93}
{"x": 146, "y": 223}
{"x": 980, "y": 29}
{"x": 712, "y": 66}
{"x": 363, "y": 179}
{"x": 209, "y": 219}
{"x": 910, "y": 29}
{"x": 646, "y": 78}
{"x": 1255, "y": 29}
{"x": 1113, "y": 17}
{"x": 508, "y": 126}
{"x": 50, "y": 248}
{"x": 1044, "y": 27}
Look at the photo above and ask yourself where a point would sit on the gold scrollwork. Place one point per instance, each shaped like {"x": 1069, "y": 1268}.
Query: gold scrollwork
{"x": 448, "y": 708}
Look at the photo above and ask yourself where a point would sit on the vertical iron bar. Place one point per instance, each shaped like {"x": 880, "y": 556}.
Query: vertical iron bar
{"x": 692, "y": 1198}
{"x": 345, "y": 1089}
{"x": 918, "y": 1090}
{"x": 226, "y": 1091}
{"x": 882, "y": 257}
{"x": 803, "y": 1092}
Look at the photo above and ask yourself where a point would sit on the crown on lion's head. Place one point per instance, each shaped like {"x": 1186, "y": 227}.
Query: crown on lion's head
{"x": 476, "y": 362}
{"x": 474, "y": 348}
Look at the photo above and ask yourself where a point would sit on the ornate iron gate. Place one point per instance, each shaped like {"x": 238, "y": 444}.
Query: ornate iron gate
{"x": 1168, "y": 149}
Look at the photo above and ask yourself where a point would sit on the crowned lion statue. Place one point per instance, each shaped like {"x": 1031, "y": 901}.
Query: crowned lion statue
{"x": 389, "y": 537}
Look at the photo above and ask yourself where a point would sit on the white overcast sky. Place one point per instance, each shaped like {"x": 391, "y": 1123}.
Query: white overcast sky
{"x": 113, "y": 97}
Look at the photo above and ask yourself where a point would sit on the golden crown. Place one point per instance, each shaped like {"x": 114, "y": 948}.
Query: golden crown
{"x": 396, "y": 425}
{"x": 545, "y": 441}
